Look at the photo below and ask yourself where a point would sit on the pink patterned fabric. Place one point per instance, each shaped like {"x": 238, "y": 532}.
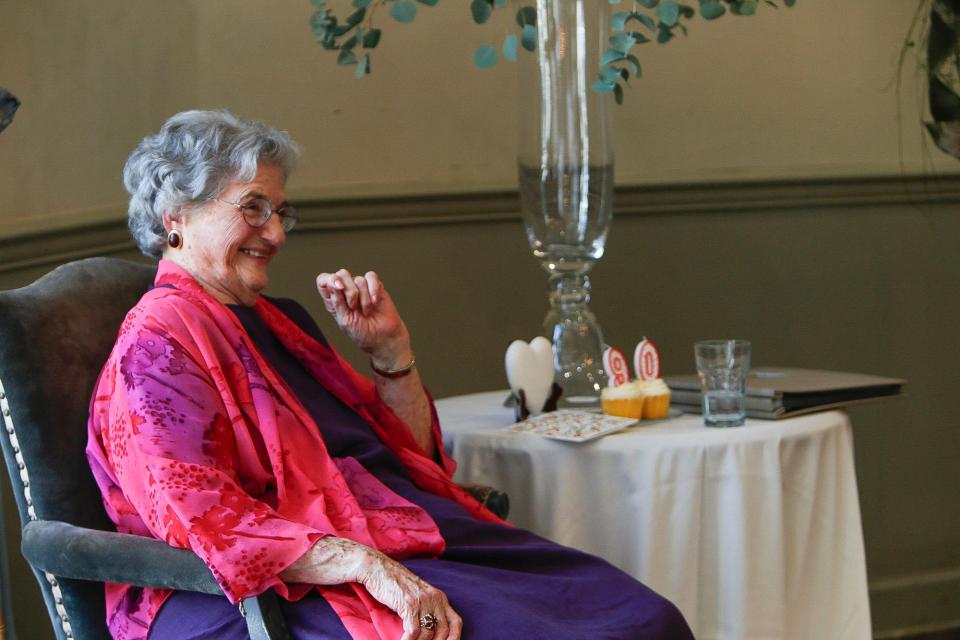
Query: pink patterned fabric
{"x": 193, "y": 439}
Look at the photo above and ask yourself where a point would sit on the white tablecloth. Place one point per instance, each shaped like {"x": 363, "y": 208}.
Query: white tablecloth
{"x": 753, "y": 532}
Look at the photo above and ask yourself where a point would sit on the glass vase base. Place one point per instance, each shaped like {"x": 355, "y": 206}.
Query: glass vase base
{"x": 580, "y": 402}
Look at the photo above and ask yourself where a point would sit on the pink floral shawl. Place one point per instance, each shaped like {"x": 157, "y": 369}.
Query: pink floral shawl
{"x": 193, "y": 439}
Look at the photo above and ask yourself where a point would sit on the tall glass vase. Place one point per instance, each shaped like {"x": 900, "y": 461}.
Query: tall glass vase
{"x": 566, "y": 180}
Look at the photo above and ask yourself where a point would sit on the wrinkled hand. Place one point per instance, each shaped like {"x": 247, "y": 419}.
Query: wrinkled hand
{"x": 365, "y": 311}
{"x": 392, "y": 584}
{"x": 335, "y": 560}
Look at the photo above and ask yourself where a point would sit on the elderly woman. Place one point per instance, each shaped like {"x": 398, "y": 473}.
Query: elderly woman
{"x": 224, "y": 423}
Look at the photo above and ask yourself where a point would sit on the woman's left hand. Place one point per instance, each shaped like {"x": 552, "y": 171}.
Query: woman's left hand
{"x": 364, "y": 311}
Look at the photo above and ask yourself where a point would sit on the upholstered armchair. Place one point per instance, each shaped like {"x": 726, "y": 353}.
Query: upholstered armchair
{"x": 55, "y": 335}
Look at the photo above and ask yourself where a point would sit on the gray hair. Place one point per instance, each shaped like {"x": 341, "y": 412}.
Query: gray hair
{"x": 190, "y": 161}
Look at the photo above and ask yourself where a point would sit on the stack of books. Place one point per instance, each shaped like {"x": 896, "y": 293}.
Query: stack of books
{"x": 779, "y": 392}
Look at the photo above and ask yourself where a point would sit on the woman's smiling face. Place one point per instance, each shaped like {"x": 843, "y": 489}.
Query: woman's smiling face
{"x": 227, "y": 256}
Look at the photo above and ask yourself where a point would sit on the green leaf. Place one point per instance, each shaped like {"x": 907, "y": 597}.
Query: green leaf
{"x": 371, "y": 39}
{"x": 711, "y": 9}
{"x": 668, "y": 11}
{"x": 622, "y": 42}
{"x": 429, "y": 3}
{"x": 601, "y": 86}
{"x": 611, "y": 55}
{"x": 618, "y": 21}
{"x": 403, "y": 11}
{"x": 789, "y": 3}
{"x": 528, "y": 37}
{"x": 320, "y": 23}
{"x": 320, "y": 17}
{"x": 485, "y": 57}
{"x": 481, "y": 11}
{"x": 634, "y": 64}
{"x": 351, "y": 43}
{"x": 614, "y": 1}
{"x": 356, "y": 17}
{"x": 501, "y": 3}
{"x": 509, "y": 48}
{"x": 618, "y": 94}
{"x": 646, "y": 20}
{"x": 664, "y": 35}
{"x": 639, "y": 37}
{"x": 527, "y": 15}
{"x": 609, "y": 74}
{"x": 649, "y": 4}
{"x": 361, "y": 4}
{"x": 687, "y": 11}
{"x": 318, "y": 3}
{"x": 363, "y": 68}
{"x": 346, "y": 57}
{"x": 743, "y": 7}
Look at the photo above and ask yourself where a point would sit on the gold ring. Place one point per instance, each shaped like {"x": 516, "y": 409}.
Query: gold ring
{"x": 428, "y": 621}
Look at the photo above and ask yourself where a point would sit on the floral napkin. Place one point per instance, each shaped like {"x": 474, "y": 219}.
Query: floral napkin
{"x": 571, "y": 425}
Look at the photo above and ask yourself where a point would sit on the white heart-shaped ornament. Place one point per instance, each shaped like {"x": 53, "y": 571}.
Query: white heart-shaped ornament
{"x": 530, "y": 367}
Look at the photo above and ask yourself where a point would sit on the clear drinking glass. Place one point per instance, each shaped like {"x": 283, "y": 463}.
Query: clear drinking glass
{"x": 566, "y": 180}
{"x": 722, "y": 366}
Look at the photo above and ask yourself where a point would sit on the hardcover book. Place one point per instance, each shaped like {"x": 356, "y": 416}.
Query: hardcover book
{"x": 780, "y": 392}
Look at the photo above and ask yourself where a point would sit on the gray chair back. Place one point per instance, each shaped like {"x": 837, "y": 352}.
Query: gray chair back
{"x": 55, "y": 335}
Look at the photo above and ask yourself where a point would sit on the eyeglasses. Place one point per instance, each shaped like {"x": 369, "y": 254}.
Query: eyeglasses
{"x": 257, "y": 211}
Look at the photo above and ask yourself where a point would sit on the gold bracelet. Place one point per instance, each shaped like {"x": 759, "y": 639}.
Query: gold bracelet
{"x": 394, "y": 373}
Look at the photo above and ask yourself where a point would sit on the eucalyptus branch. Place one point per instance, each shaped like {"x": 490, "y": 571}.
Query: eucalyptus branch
{"x": 657, "y": 20}
{"x": 912, "y": 40}
{"x": 618, "y": 64}
{"x": 937, "y": 25}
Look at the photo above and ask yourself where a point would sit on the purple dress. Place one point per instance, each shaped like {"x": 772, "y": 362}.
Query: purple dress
{"x": 504, "y": 582}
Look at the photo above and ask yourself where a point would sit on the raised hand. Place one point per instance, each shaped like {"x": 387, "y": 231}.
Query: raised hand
{"x": 364, "y": 311}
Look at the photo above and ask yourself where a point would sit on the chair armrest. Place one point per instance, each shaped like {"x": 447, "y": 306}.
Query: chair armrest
{"x": 74, "y": 552}
{"x": 498, "y": 502}
{"x": 69, "y": 551}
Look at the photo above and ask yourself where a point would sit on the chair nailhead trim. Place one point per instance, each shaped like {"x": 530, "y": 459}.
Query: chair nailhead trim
{"x": 31, "y": 512}
{"x": 58, "y": 599}
{"x": 15, "y": 447}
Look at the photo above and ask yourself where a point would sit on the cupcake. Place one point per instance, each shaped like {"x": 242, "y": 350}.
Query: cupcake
{"x": 656, "y": 398}
{"x": 625, "y": 400}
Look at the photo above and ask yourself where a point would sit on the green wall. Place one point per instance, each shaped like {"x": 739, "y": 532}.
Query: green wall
{"x": 768, "y": 173}
{"x": 855, "y": 275}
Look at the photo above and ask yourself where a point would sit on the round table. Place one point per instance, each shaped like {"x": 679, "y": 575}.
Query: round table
{"x": 752, "y": 531}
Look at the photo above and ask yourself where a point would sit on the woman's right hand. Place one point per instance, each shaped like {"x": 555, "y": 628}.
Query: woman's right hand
{"x": 392, "y": 584}
{"x": 334, "y": 560}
